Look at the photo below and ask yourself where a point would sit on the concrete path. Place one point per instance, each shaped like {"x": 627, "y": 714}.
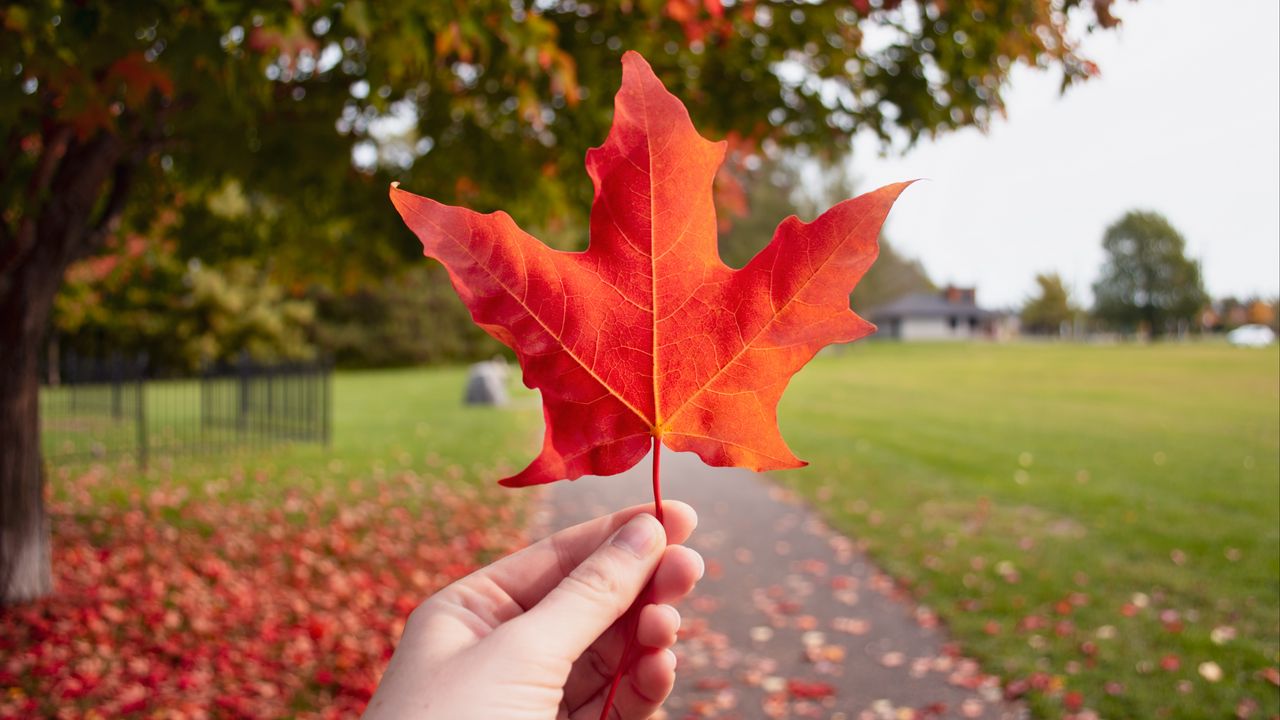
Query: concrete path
{"x": 791, "y": 620}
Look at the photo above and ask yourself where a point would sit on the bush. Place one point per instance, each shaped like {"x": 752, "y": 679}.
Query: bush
{"x": 409, "y": 319}
{"x": 139, "y": 298}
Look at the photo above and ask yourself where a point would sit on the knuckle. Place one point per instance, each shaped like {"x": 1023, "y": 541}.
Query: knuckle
{"x": 597, "y": 581}
{"x": 423, "y": 613}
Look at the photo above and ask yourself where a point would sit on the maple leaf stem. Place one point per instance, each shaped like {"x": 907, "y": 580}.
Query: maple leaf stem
{"x": 657, "y": 478}
{"x": 633, "y": 624}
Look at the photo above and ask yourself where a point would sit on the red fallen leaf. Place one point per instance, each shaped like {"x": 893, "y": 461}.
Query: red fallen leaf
{"x": 1015, "y": 689}
{"x": 1039, "y": 681}
{"x": 843, "y": 582}
{"x": 803, "y": 690}
{"x": 1032, "y": 623}
{"x": 712, "y": 683}
{"x": 648, "y": 336}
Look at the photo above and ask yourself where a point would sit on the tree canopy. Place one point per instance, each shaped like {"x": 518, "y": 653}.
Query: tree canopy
{"x": 1147, "y": 281}
{"x": 773, "y": 188}
{"x": 265, "y": 106}
{"x": 273, "y": 129}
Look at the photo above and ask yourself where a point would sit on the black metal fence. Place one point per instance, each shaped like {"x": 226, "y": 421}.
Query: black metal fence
{"x": 108, "y": 407}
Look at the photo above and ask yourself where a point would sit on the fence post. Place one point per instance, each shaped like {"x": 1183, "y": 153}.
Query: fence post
{"x": 74, "y": 374}
{"x": 326, "y": 405}
{"x": 205, "y": 400}
{"x": 272, "y": 424}
{"x": 242, "y": 413}
{"x": 116, "y": 373}
{"x": 140, "y": 412}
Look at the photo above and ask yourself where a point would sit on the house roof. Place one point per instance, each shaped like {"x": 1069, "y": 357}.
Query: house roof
{"x": 926, "y": 305}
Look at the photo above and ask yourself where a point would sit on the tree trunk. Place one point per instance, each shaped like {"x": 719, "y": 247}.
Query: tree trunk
{"x": 67, "y": 189}
{"x": 24, "y": 528}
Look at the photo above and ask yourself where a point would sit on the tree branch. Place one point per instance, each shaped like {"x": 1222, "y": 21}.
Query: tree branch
{"x": 12, "y": 146}
{"x": 109, "y": 220}
{"x": 56, "y": 143}
{"x": 6, "y": 236}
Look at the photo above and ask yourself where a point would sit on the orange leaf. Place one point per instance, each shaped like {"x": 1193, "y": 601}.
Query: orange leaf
{"x": 648, "y": 333}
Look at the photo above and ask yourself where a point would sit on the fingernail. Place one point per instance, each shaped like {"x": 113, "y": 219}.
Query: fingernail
{"x": 638, "y": 535}
{"x": 671, "y": 611}
{"x": 702, "y": 565}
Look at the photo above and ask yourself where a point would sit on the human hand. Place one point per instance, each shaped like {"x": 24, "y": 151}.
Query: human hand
{"x": 537, "y": 635}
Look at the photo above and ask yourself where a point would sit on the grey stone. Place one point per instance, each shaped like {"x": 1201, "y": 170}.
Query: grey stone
{"x": 487, "y": 384}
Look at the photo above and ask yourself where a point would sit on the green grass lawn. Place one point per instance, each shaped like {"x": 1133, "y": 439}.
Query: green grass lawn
{"x": 415, "y": 419}
{"x": 1104, "y": 520}
{"x": 384, "y": 422}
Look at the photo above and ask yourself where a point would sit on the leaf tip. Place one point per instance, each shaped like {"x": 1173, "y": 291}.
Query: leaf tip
{"x": 398, "y": 198}
{"x": 631, "y": 56}
{"x": 633, "y": 63}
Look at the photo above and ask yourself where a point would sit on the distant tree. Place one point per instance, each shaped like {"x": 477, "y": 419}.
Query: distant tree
{"x": 1231, "y": 313}
{"x": 791, "y": 185}
{"x": 893, "y": 276}
{"x": 764, "y": 190}
{"x": 408, "y": 318}
{"x": 1261, "y": 312}
{"x": 1147, "y": 281}
{"x": 1050, "y": 309}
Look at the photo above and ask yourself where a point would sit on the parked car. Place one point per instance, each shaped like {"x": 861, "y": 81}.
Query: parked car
{"x": 1251, "y": 336}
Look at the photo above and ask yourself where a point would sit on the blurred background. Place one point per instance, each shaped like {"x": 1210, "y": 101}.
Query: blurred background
{"x": 224, "y": 363}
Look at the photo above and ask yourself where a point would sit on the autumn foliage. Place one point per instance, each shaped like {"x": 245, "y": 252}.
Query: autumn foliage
{"x": 185, "y": 603}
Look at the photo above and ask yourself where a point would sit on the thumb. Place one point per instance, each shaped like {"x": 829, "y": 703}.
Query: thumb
{"x": 597, "y": 592}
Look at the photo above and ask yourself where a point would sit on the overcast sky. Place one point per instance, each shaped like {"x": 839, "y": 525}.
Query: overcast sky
{"x": 1185, "y": 120}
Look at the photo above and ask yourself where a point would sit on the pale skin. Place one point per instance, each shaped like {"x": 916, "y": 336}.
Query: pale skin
{"x": 537, "y": 636}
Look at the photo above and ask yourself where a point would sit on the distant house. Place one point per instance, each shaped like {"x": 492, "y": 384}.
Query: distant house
{"x": 949, "y": 314}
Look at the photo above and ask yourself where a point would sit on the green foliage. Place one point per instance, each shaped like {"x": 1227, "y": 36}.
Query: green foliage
{"x": 228, "y": 312}
{"x": 1147, "y": 283}
{"x": 893, "y": 276}
{"x": 793, "y": 185}
{"x": 143, "y": 300}
{"x": 127, "y": 294}
{"x": 488, "y": 103}
{"x": 1050, "y": 310}
{"x": 411, "y": 318}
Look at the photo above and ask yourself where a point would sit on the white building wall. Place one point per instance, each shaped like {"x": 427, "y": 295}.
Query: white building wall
{"x": 936, "y": 329}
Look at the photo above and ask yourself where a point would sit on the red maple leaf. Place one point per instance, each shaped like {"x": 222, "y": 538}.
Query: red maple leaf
{"x": 648, "y": 336}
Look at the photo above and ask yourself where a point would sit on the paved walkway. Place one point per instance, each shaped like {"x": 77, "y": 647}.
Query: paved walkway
{"x": 791, "y": 620}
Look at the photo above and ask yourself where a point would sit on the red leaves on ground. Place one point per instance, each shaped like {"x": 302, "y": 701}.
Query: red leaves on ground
{"x": 809, "y": 690}
{"x": 648, "y": 333}
{"x": 182, "y": 606}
